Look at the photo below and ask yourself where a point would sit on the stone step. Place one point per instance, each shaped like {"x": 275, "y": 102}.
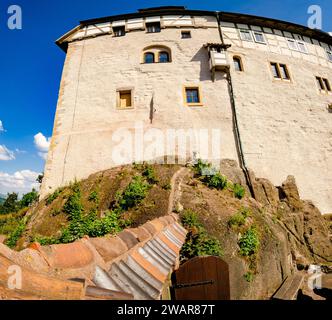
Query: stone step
{"x": 290, "y": 288}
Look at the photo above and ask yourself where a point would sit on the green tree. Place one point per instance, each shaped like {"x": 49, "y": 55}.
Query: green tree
{"x": 10, "y": 204}
{"x": 29, "y": 198}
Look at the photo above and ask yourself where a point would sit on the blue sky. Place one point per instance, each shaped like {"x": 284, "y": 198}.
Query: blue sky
{"x": 31, "y": 66}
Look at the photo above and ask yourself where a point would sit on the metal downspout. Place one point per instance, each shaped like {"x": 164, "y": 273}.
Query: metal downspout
{"x": 238, "y": 141}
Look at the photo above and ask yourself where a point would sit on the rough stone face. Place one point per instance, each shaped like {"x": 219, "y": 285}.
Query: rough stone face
{"x": 290, "y": 191}
{"x": 264, "y": 191}
{"x": 292, "y": 233}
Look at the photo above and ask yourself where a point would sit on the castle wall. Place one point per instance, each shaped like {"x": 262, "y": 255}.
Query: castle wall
{"x": 285, "y": 127}
{"x": 87, "y": 118}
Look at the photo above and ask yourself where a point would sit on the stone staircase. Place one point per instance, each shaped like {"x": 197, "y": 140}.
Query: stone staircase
{"x": 135, "y": 264}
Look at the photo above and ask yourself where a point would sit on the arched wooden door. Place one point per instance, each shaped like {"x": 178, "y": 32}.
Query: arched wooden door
{"x": 202, "y": 278}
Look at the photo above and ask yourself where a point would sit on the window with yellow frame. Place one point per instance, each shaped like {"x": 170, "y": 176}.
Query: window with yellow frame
{"x": 192, "y": 96}
{"x": 124, "y": 99}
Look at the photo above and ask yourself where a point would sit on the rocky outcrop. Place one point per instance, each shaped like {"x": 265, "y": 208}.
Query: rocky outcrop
{"x": 293, "y": 233}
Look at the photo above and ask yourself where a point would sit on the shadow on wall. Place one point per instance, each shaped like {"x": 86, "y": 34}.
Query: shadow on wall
{"x": 203, "y": 57}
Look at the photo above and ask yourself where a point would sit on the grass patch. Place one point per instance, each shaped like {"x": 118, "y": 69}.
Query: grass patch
{"x": 240, "y": 218}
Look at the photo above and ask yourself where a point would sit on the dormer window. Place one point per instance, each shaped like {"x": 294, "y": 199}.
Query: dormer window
{"x": 246, "y": 35}
{"x": 297, "y": 45}
{"x": 153, "y": 27}
{"x": 292, "y": 45}
{"x": 119, "y": 31}
{"x": 259, "y": 37}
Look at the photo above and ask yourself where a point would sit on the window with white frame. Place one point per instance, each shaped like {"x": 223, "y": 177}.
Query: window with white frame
{"x": 297, "y": 45}
{"x": 292, "y": 44}
{"x": 249, "y": 35}
{"x": 259, "y": 37}
{"x": 302, "y": 46}
{"x": 245, "y": 35}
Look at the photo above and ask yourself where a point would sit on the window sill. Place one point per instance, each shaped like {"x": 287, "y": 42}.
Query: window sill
{"x": 149, "y": 63}
{"x": 194, "y": 105}
{"x": 282, "y": 80}
{"x": 127, "y": 108}
{"x": 325, "y": 92}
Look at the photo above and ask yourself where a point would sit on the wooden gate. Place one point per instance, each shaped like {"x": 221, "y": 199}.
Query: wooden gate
{"x": 202, "y": 278}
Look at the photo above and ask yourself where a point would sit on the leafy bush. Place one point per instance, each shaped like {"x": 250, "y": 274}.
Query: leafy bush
{"x": 216, "y": 181}
{"x": 90, "y": 224}
{"x": 239, "y": 191}
{"x": 211, "y": 177}
{"x": 239, "y": 219}
{"x": 249, "y": 276}
{"x": 150, "y": 174}
{"x": 73, "y": 206}
{"x": 94, "y": 197}
{"x": 202, "y": 168}
{"x": 16, "y": 234}
{"x": 190, "y": 219}
{"x": 198, "y": 242}
{"x": 249, "y": 242}
{"x": 133, "y": 195}
{"x": 110, "y": 224}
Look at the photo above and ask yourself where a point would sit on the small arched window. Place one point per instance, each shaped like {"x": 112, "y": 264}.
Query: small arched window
{"x": 156, "y": 54}
{"x": 163, "y": 57}
{"x": 238, "y": 64}
{"x": 149, "y": 57}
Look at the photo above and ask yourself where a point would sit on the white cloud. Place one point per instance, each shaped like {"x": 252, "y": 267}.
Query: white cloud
{"x": 42, "y": 144}
{"x": 2, "y": 129}
{"x": 43, "y": 155}
{"x": 6, "y": 154}
{"x": 21, "y": 181}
